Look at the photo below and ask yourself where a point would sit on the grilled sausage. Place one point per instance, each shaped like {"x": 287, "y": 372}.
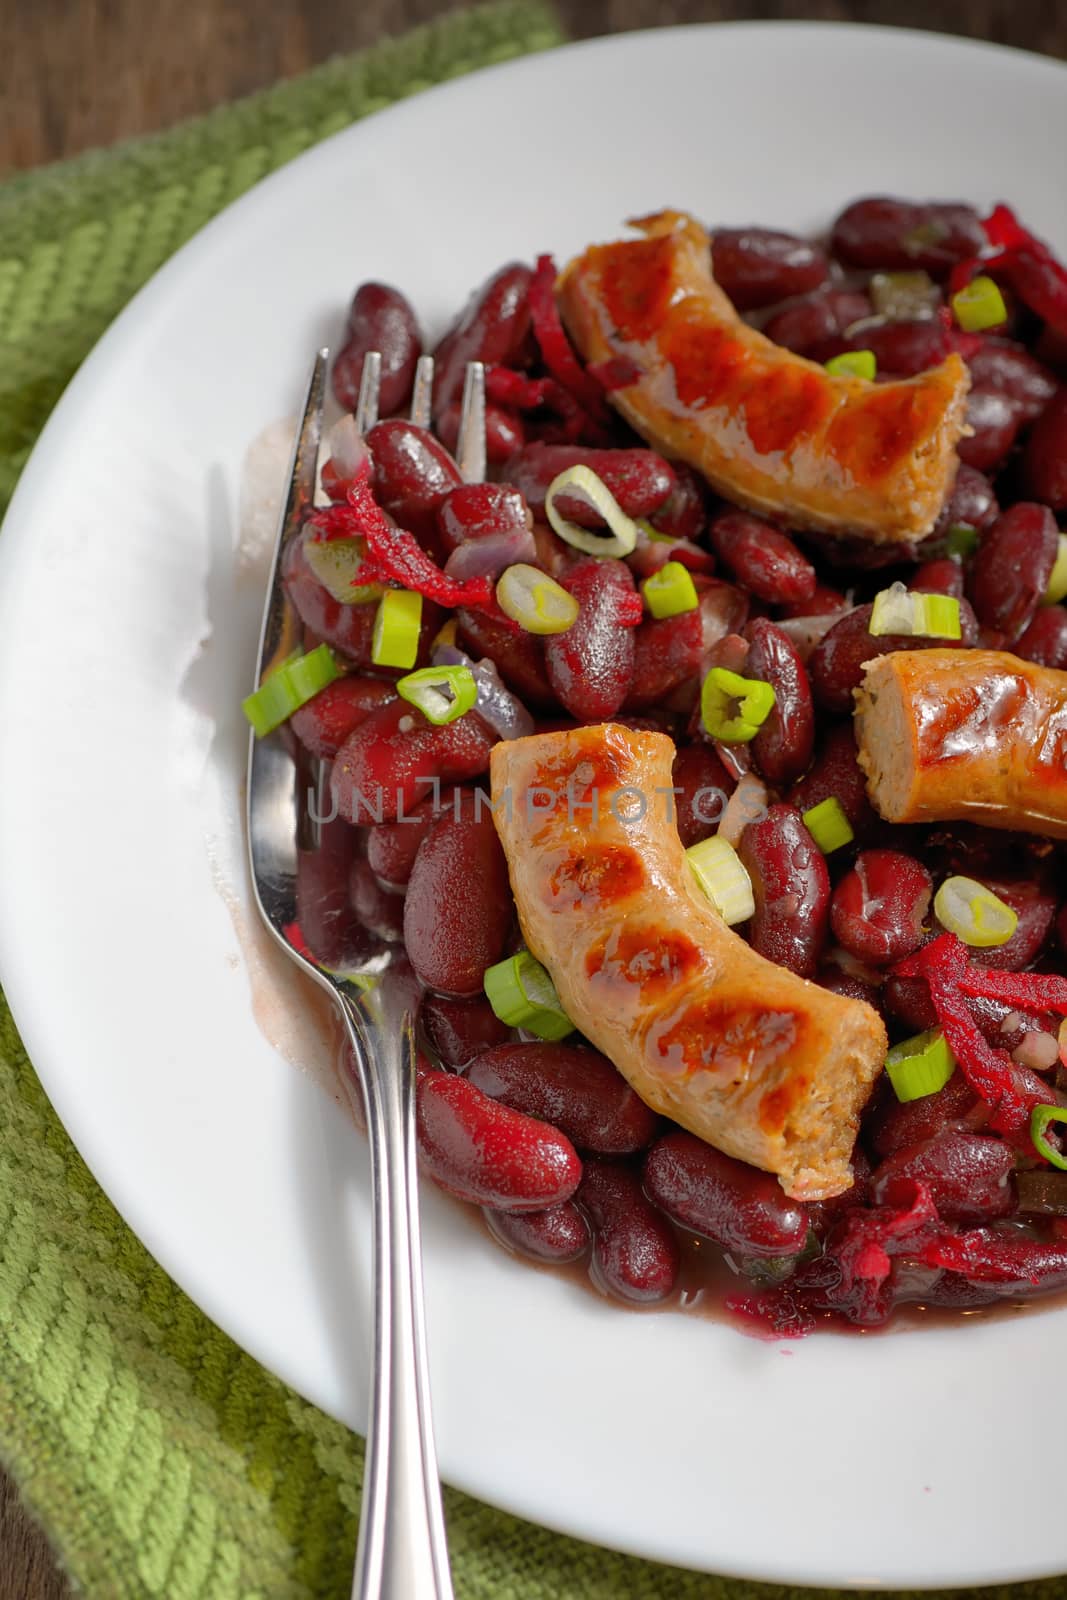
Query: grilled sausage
{"x": 758, "y": 1062}
{"x": 965, "y": 735}
{"x": 767, "y": 428}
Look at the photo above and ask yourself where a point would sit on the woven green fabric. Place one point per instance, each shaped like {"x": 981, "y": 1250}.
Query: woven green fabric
{"x": 162, "y": 1460}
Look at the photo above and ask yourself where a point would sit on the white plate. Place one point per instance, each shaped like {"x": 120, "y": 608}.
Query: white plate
{"x": 855, "y": 1460}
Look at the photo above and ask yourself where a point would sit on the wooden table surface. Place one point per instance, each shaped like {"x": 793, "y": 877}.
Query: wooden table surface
{"x": 88, "y": 72}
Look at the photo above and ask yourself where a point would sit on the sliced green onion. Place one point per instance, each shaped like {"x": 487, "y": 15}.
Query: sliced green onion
{"x": 442, "y": 694}
{"x": 670, "y": 591}
{"x": 962, "y": 540}
{"x": 534, "y": 600}
{"x": 395, "y": 642}
{"x": 828, "y": 825}
{"x": 980, "y": 305}
{"x": 653, "y": 533}
{"x": 929, "y": 616}
{"x": 903, "y": 294}
{"x": 920, "y": 1066}
{"x": 523, "y": 995}
{"x": 721, "y": 874}
{"x": 733, "y": 708}
{"x": 1057, "y": 583}
{"x": 1040, "y": 1118}
{"x": 973, "y": 913}
{"x": 336, "y": 562}
{"x": 582, "y": 483}
{"x": 853, "y": 364}
{"x": 291, "y": 685}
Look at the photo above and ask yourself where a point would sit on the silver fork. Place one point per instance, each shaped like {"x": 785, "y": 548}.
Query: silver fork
{"x": 402, "y": 1552}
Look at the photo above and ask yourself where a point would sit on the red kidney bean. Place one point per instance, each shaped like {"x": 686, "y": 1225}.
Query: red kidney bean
{"x": 505, "y": 432}
{"x": 1045, "y": 455}
{"x": 723, "y": 610}
{"x": 901, "y": 349}
{"x": 835, "y": 666}
{"x": 836, "y": 772}
{"x": 476, "y": 510}
{"x": 782, "y": 748}
{"x": 555, "y": 1237}
{"x": 1045, "y": 640}
{"x": 1010, "y": 369}
{"x": 763, "y": 558}
{"x": 330, "y": 928}
{"x": 635, "y": 1253}
{"x": 493, "y": 328}
{"x": 704, "y": 784}
{"x": 812, "y": 322}
{"x": 969, "y": 1176}
{"x": 459, "y": 1030}
{"x": 380, "y": 319}
{"x": 574, "y": 1089}
{"x": 824, "y": 602}
{"x": 908, "y": 999}
{"x": 972, "y": 501}
{"x": 952, "y": 1292}
{"x": 413, "y": 473}
{"x": 393, "y": 846}
{"x": 519, "y": 656}
{"x": 1034, "y": 902}
{"x": 899, "y": 1125}
{"x": 379, "y": 910}
{"x": 758, "y": 266}
{"x": 324, "y": 723}
{"x": 1012, "y": 566}
{"x": 906, "y": 235}
{"x": 791, "y": 888}
{"x": 1061, "y": 926}
{"x": 996, "y": 420}
{"x": 1014, "y": 1266}
{"x": 878, "y": 907}
{"x": 684, "y": 513}
{"x": 942, "y": 576}
{"x": 667, "y": 653}
{"x": 741, "y": 1208}
{"x": 482, "y": 1151}
{"x": 385, "y": 768}
{"x": 640, "y": 480}
{"x": 591, "y": 666}
{"x": 458, "y": 908}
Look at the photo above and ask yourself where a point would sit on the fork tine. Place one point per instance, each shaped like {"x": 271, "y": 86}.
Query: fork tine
{"x": 369, "y": 385}
{"x": 422, "y": 398}
{"x": 278, "y": 618}
{"x": 470, "y": 447}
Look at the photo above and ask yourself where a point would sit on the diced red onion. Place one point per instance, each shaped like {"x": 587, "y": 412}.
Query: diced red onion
{"x": 747, "y": 803}
{"x": 346, "y": 448}
{"x": 1038, "y": 1050}
{"x": 649, "y": 555}
{"x": 488, "y": 556}
{"x": 496, "y": 705}
{"x": 805, "y": 632}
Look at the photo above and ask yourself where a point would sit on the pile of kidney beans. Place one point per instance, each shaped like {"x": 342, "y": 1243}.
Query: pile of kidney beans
{"x": 566, "y": 1161}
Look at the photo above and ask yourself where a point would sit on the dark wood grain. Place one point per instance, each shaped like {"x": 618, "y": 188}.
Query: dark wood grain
{"x": 80, "y": 73}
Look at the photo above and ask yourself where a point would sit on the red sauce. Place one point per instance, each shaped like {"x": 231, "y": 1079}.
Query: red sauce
{"x": 710, "y": 1035}
{"x": 875, "y": 431}
{"x": 636, "y": 283}
{"x": 654, "y": 961}
{"x": 595, "y": 876}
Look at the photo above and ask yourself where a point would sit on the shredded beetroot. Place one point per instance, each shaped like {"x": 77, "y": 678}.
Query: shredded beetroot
{"x": 506, "y": 387}
{"x": 985, "y": 1256}
{"x": 1011, "y": 1091}
{"x": 1027, "y": 991}
{"x": 1024, "y": 261}
{"x": 294, "y": 937}
{"x": 556, "y": 349}
{"x": 392, "y": 555}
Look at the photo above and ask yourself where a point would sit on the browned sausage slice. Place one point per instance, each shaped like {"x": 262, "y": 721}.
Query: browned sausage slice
{"x": 767, "y": 428}
{"x": 965, "y": 735}
{"x": 756, "y": 1061}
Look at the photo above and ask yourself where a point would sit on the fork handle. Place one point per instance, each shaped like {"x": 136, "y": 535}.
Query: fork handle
{"x": 402, "y": 1552}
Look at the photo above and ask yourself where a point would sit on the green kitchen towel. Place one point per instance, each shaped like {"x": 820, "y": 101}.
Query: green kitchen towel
{"x": 161, "y": 1459}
